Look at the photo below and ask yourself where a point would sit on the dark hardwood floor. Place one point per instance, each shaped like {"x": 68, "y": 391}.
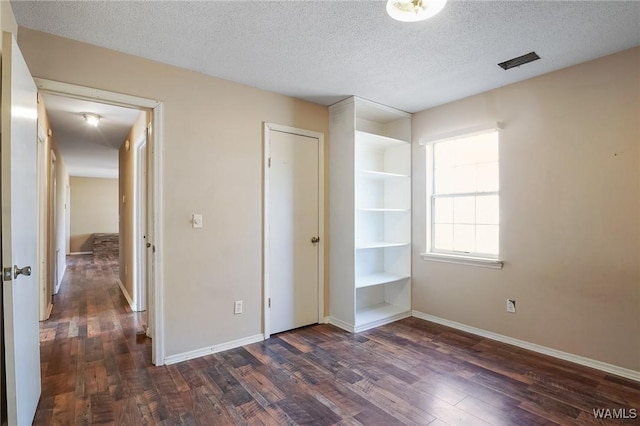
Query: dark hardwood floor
{"x": 96, "y": 371}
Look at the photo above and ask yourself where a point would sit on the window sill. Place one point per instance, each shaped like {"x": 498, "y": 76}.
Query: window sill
{"x": 463, "y": 260}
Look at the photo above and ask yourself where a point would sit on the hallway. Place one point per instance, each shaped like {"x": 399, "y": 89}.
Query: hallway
{"x": 93, "y": 368}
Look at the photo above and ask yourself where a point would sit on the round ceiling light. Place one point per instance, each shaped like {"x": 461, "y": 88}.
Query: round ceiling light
{"x": 414, "y": 10}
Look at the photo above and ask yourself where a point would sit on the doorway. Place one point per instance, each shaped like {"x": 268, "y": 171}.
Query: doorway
{"x": 293, "y": 228}
{"x": 147, "y": 153}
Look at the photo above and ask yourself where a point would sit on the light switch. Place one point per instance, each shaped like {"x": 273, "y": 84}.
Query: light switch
{"x": 196, "y": 220}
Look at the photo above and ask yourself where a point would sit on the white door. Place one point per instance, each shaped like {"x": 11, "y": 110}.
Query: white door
{"x": 53, "y": 227}
{"x": 140, "y": 207}
{"x": 293, "y": 223}
{"x": 19, "y": 235}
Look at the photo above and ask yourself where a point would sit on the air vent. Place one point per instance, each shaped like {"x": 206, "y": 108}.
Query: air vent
{"x": 520, "y": 60}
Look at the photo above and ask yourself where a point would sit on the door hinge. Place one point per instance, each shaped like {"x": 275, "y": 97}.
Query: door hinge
{"x": 7, "y": 274}
{"x": 269, "y": 302}
{"x": 269, "y": 161}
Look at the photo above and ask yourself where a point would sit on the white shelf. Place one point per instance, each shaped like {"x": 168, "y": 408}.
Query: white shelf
{"x": 372, "y": 316}
{"x": 373, "y": 174}
{"x": 370, "y": 269}
{"x": 379, "y": 244}
{"x": 378, "y": 279}
{"x": 373, "y": 140}
{"x": 384, "y": 210}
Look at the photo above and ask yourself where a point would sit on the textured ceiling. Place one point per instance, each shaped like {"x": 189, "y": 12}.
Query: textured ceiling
{"x": 88, "y": 151}
{"x": 323, "y": 51}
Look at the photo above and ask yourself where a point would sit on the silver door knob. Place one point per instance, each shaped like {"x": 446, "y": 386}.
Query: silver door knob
{"x": 315, "y": 240}
{"x": 21, "y": 271}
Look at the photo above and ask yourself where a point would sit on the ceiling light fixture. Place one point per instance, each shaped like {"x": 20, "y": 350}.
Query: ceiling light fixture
{"x": 414, "y": 10}
{"x": 92, "y": 119}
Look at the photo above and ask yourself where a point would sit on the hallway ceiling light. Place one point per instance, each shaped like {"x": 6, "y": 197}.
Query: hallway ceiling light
{"x": 92, "y": 119}
{"x": 414, "y": 10}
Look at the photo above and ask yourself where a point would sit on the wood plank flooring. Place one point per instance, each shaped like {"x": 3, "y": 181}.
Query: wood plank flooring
{"x": 95, "y": 371}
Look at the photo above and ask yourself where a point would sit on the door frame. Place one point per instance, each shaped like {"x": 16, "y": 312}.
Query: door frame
{"x": 266, "y": 255}
{"x": 139, "y": 222}
{"x": 52, "y": 271}
{"x": 43, "y": 222}
{"x": 154, "y": 192}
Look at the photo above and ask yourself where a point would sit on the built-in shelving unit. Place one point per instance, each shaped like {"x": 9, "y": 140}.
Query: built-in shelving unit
{"x": 370, "y": 218}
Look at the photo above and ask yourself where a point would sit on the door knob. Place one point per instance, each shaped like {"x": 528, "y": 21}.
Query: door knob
{"x": 315, "y": 240}
{"x": 21, "y": 271}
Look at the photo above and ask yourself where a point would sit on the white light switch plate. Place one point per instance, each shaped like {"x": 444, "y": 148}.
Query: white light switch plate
{"x": 196, "y": 220}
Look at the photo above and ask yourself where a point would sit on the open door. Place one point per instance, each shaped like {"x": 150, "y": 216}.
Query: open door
{"x": 18, "y": 195}
{"x": 140, "y": 225}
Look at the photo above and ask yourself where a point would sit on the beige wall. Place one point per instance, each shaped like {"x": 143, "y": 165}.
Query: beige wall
{"x": 569, "y": 211}
{"x": 126, "y": 166}
{"x": 212, "y": 165}
{"x": 94, "y": 209}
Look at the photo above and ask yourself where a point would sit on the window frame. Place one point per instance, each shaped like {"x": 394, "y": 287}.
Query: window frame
{"x": 432, "y": 254}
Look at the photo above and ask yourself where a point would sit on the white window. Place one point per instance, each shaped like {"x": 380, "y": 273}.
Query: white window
{"x": 463, "y": 196}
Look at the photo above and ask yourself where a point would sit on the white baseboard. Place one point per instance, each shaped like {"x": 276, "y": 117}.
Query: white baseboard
{"x": 378, "y": 323}
{"x": 185, "y": 356}
{"x": 341, "y": 324}
{"x": 126, "y": 295}
{"x": 577, "y": 359}
{"x": 358, "y": 328}
{"x": 76, "y": 253}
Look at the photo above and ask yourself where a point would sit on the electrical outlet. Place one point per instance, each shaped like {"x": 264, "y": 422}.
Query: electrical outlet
{"x": 237, "y": 307}
{"x": 511, "y": 306}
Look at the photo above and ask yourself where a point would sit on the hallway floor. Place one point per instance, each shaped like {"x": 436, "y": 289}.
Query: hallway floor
{"x": 95, "y": 371}
{"x": 93, "y": 368}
